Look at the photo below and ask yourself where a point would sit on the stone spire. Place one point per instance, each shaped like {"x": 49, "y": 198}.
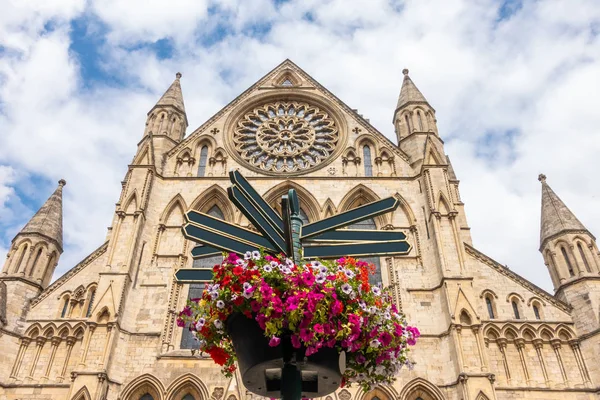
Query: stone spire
{"x": 409, "y": 94}
{"x": 48, "y": 220}
{"x": 556, "y": 216}
{"x": 173, "y": 96}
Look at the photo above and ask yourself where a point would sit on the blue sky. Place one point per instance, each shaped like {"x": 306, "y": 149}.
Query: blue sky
{"x": 513, "y": 83}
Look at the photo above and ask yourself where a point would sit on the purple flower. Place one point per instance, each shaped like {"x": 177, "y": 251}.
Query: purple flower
{"x": 267, "y": 268}
{"x": 376, "y": 290}
{"x": 360, "y": 359}
{"x": 321, "y": 278}
{"x": 274, "y": 342}
{"x": 346, "y": 288}
{"x": 349, "y": 273}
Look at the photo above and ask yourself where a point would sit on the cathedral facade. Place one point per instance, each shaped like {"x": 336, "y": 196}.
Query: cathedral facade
{"x": 106, "y": 329}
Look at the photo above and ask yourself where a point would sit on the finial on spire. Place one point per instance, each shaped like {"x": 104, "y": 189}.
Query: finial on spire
{"x": 62, "y": 183}
{"x": 542, "y": 178}
{"x": 405, "y": 71}
{"x": 178, "y": 75}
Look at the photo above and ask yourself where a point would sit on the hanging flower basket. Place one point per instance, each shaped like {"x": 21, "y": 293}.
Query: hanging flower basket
{"x": 258, "y": 306}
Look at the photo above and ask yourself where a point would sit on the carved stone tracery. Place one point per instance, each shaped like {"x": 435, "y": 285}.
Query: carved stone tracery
{"x": 286, "y": 136}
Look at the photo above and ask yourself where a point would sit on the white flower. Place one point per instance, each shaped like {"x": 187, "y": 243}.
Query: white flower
{"x": 256, "y": 255}
{"x": 374, "y": 343}
{"x": 315, "y": 264}
{"x": 286, "y": 270}
{"x": 289, "y": 262}
{"x": 219, "y": 324}
{"x": 248, "y": 293}
{"x": 247, "y": 255}
{"x": 220, "y": 304}
{"x": 247, "y": 285}
{"x": 234, "y": 296}
{"x": 214, "y": 295}
{"x": 320, "y": 278}
{"x": 275, "y": 264}
{"x": 349, "y": 273}
{"x": 267, "y": 268}
{"x": 372, "y": 310}
{"x": 241, "y": 263}
{"x": 376, "y": 290}
{"x": 387, "y": 315}
{"x": 362, "y": 305}
{"x": 200, "y": 324}
{"x": 346, "y": 288}
{"x": 323, "y": 269}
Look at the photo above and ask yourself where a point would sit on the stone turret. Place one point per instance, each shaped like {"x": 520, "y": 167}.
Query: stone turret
{"x": 165, "y": 127}
{"x": 571, "y": 255}
{"x": 31, "y": 260}
{"x": 413, "y": 112}
{"x": 37, "y": 247}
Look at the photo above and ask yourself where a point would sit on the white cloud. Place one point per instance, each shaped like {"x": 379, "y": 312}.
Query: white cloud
{"x": 533, "y": 74}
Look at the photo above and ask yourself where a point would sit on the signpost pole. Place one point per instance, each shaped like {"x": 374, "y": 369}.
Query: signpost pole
{"x": 296, "y": 223}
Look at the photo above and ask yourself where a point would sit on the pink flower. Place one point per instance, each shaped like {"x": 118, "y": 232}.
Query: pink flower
{"x": 262, "y": 320}
{"x": 180, "y": 323}
{"x": 274, "y": 342}
{"x": 255, "y": 305}
{"x": 385, "y": 338}
{"x": 292, "y": 303}
{"x": 318, "y": 328}
{"x": 415, "y": 332}
{"x": 337, "y": 307}
{"x": 399, "y": 330}
{"x": 306, "y": 335}
{"x": 308, "y": 278}
{"x": 296, "y": 342}
{"x": 310, "y": 350}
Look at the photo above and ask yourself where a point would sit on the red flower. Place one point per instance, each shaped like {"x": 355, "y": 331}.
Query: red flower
{"x": 238, "y": 301}
{"x": 218, "y": 355}
{"x": 237, "y": 271}
{"x": 226, "y": 281}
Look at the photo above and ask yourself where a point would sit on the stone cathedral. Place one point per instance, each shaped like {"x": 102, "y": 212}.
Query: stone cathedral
{"x": 106, "y": 329}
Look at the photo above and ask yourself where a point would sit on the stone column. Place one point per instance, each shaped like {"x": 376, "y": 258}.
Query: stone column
{"x": 39, "y": 341}
{"x": 22, "y": 349}
{"x": 105, "y": 352}
{"x": 477, "y": 333}
{"x": 595, "y": 256}
{"x": 70, "y": 342}
{"x": 577, "y": 260}
{"x": 457, "y": 241}
{"x": 55, "y": 342}
{"x": 458, "y": 340}
{"x": 581, "y": 363}
{"x": 86, "y": 342}
{"x": 538, "y": 344}
{"x": 502, "y": 346}
{"x": 556, "y": 345}
{"x": 438, "y": 239}
{"x": 115, "y": 235}
{"x": 520, "y": 343}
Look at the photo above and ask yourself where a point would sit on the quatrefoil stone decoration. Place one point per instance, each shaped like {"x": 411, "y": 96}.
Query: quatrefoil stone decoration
{"x": 286, "y": 136}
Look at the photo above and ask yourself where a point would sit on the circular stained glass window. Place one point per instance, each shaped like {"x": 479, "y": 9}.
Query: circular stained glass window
{"x": 285, "y": 136}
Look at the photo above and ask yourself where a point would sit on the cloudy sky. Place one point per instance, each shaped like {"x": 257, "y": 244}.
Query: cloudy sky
{"x": 515, "y": 85}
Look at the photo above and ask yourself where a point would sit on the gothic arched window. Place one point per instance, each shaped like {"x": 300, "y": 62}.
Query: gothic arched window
{"x": 147, "y": 396}
{"x": 536, "y": 312}
{"x": 202, "y": 165}
{"x": 92, "y": 295}
{"x": 515, "y": 308}
{"x": 367, "y": 161}
{"x": 304, "y": 217}
{"x": 35, "y": 261}
{"x": 369, "y": 224}
{"x": 21, "y": 256}
{"x": 188, "y": 341}
{"x": 188, "y": 397}
{"x": 490, "y": 307}
{"x": 65, "y": 307}
{"x": 568, "y": 261}
{"x": 585, "y": 261}
{"x": 420, "y": 121}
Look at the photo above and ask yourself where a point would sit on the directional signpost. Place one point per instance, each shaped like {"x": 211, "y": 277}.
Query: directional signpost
{"x": 285, "y": 234}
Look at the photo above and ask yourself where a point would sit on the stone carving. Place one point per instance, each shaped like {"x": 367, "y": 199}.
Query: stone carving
{"x": 285, "y": 137}
{"x": 217, "y": 393}
{"x": 344, "y": 395}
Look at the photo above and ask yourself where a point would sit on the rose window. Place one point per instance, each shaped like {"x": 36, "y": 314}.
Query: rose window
{"x": 285, "y": 137}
